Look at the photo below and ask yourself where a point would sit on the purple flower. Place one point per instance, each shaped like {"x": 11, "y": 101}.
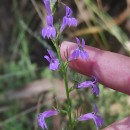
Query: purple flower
{"x": 54, "y": 63}
{"x": 68, "y": 19}
{"x": 47, "y": 5}
{"x": 46, "y": 114}
{"x": 50, "y": 30}
{"x": 79, "y": 51}
{"x": 92, "y": 84}
{"x": 96, "y": 118}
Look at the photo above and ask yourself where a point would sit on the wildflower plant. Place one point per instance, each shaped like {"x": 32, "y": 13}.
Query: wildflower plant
{"x": 53, "y": 33}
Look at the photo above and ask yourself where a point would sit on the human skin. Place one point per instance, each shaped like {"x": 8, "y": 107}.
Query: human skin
{"x": 111, "y": 69}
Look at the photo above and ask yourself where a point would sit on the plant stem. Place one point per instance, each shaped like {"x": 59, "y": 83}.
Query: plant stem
{"x": 64, "y": 74}
{"x": 68, "y": 98}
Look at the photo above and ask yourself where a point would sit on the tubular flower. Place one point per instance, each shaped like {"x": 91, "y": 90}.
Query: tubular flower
{"x": 47, "y": 5}
{"x": 79, "y": 51}
{"x": 68, "y": 19}
{"x": 50, "y": 30}
{"x": 88, "y": 84}
{"x": 96, "y": 118}
{"x": 46, "y": 114}
{"x": 54, "y": 63}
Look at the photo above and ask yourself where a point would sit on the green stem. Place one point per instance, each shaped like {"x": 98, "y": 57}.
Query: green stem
{"x": 68, "y": 99}
{"x": 64, "y": 74}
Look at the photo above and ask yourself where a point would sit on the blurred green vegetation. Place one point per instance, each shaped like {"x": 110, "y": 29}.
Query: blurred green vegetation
{"x": 22, "y": 62}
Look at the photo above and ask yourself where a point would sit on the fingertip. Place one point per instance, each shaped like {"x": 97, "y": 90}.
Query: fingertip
{"x": 66, "y": 47}
{"x": 106, "y": 66}
{"x": 120, "y": 125}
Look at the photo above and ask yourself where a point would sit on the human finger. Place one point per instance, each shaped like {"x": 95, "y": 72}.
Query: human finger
{"x": 123, "y": 124}
{"x": 111, "y": 69}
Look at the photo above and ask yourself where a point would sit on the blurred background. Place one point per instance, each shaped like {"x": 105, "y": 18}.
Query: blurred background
{"x": 27, "y": 87}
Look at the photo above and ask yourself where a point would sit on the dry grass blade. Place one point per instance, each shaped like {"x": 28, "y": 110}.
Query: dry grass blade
{"x": 39, "y": 104}
{"x": 37, "y": 9}
{"x": 90, "y": 30}
{"x": 39, "y": 86}
{"x": 105, "y": 22}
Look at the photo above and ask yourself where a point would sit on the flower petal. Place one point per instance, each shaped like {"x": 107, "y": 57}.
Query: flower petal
{"x": 74, "y": 21}
{"x": 68, "y": 11}
{"x": 51, "y": 54}
{"x": 85, "y": 84}
{"x": 47, "y": 58}
{"x": 78, "y": 41}
{"x": 44, "y": 32}
{"x": 84, "y": 117}
{"x": 54, "y": 65}
{"x": 43, "y": 116}
{"x": 47, "y": 5}
{"x": 86, "y": 55}
{"x": 77, "y": 53}
{"x": 69, "y": 22}
{"x": 95, "y": 89}
{"x": 50, "y": 113}
{"x": 98, "y": 121}
{"x": 74, "y": 55}
{"x": 82, "y": 54}
{"x": 83, "y": 43}
{"x": 53, "y": 32}
{"x": 64, "y": 23}
{"x": 96, "y": 118}
{"x": 41, "y": 121}
{"x": 49, "y": 20}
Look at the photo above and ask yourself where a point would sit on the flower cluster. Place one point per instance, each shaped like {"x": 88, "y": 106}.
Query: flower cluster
{"x": 50, "y": 30}
{"x": 54, "y": 63}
